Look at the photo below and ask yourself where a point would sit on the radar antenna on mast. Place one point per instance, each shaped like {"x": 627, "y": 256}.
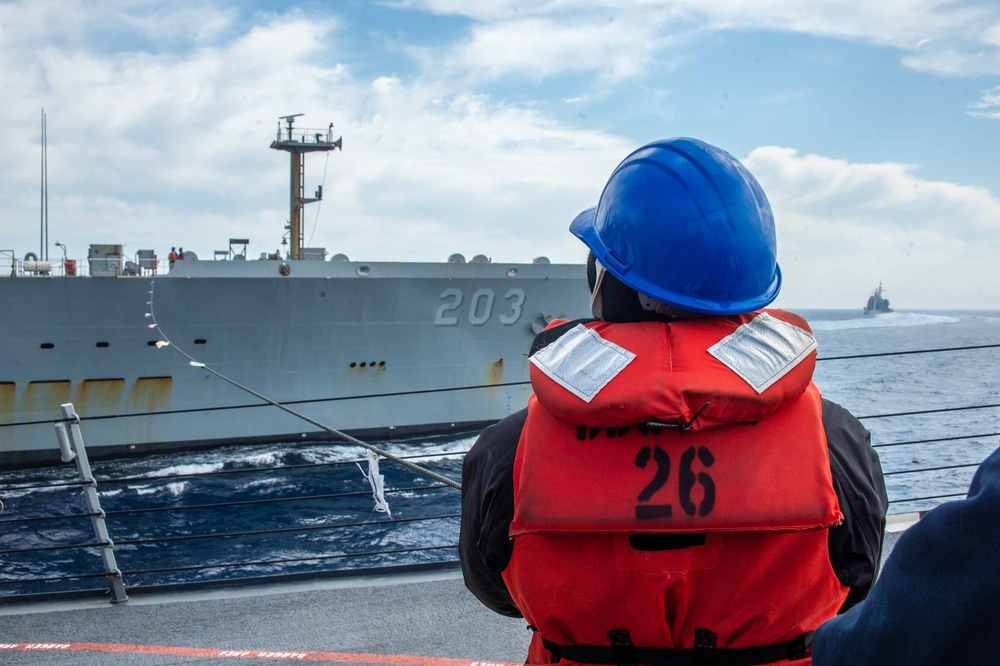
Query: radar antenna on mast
{"x": 298, "y": 142}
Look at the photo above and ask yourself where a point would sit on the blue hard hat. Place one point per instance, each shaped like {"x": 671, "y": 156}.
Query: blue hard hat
{"x": 685, "y": 223}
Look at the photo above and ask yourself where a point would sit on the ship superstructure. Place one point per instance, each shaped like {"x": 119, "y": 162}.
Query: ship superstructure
{"x": 877, "y": 303}
{"x": 371, "y": 348}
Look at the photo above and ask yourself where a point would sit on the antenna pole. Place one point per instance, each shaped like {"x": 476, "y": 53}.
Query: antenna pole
{"x": 41, "y": 207}
{"x": 45, "y": 169}
{"x": 297, "y": 143}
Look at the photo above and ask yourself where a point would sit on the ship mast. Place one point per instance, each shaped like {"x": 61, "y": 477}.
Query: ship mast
{"x": 298, "y": 142}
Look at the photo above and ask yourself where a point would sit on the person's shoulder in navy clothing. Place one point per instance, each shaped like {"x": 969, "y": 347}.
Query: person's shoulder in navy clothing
{"x": 936, "y": 599}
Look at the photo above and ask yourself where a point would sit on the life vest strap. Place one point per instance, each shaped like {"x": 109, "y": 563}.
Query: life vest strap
{"x": 622, "y": 652}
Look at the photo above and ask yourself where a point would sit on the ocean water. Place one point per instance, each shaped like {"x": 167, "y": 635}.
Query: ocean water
{"x": 907, "y": 383}
{"x": 165, "y": 521}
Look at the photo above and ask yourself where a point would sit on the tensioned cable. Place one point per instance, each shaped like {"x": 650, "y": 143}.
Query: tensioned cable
{"x": 226, "y": 535}
{"x": 282, "y": 530}
{"x": 320, "y": 202}
{"x": 931, "y": 469}
{"x": 385, "y": 395}
{"x": 903, "y": 353}
{"x": 292, "y": 560}
{"x": 936, "y": 439}
{"x": 309, "y": 498}
{"x": 67, "y": 516}
{"x": 929, "y": 497}
{"x": 928, "y": 411}
{"x": 38, "y": 549}
{"x": 226, "y": 565}
{"x": 337, "y": 433}
{"x": 251, "y": 470}
{"x": 219, "y": 505}
{"x": 473, "y": 387}
{"x": 60, "y": 484}
{"x": 302, "y": 401}
{"x": 21, "y": 581}
{"x": 270, "y": 500}
{"x": 347, "y": 438}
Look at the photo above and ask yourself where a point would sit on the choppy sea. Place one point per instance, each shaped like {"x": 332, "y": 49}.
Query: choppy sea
{"x": 925, "y": 412}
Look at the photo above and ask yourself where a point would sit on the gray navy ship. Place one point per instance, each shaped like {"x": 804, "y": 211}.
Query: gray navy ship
{"x": 877, "y": 303}
{"x": 374, "y": 349}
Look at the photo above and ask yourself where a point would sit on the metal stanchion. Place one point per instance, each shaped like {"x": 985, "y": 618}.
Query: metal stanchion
{"x": 72, "y": 447}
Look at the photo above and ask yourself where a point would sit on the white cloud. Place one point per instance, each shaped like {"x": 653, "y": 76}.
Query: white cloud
{"x": 153, "y": 25}
{"x": 465, "y": 174}
{"x": 843, "y": 227}
{"x": 991, "y": 35}
{"x": 948, "y": 60}
{"x": 988, "y": 105}
{"x": 156, "y": 150}
{"x": 620, "y": 41}
{"x": 536, "y": 47}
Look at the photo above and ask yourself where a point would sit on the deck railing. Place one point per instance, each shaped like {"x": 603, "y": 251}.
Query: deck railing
{"x": 332, "y": 533}
{"x": 137, "y": 549}
{"x": 113, "y": 266}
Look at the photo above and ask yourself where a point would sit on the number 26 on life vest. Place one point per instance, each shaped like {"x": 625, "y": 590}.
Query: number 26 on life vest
{"x": 686, "y": 481}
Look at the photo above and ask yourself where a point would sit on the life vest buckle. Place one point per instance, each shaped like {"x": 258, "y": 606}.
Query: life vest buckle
{"x": 621, "y": 647}
{"x": 705, "y": 653}
{"x": 683, "y": 426}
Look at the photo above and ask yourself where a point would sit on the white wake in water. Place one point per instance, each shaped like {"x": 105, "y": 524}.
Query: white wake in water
{"x": 883, "y": 320}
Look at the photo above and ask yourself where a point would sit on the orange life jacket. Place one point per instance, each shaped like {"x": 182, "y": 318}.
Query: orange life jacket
{"x": 747, "y": 479}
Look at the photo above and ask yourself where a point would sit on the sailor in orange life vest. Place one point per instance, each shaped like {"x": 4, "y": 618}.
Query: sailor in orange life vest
{"x": 677, "y": 491}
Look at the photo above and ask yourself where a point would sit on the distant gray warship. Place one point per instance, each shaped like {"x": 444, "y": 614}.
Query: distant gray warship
{"x": 371, "y": 348}
{"x": 877, "y": 303}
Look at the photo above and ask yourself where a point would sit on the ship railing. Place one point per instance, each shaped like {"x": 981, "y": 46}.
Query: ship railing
{"x": 11, "y": 266}
{"x": 332, "y": 533}
{"x": 8, "y": 263}
{"x": 47, "y": 557}
{"x": 305, "y": 135}
{"x": 116, "y": 266}
{"x": 119, "y": 266}
{"x": 31, "y": 265}
{"x": 916, "y": 480}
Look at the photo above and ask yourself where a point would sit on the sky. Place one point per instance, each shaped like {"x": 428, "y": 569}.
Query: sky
{"x": 485, "y": 127}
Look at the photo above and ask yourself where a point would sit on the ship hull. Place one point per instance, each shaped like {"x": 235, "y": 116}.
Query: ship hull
{"x": 371, "y": 349}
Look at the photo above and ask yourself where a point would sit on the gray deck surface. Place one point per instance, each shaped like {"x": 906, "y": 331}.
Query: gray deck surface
{"x": 382, "y": 620}
{"x": 417, "y": 615}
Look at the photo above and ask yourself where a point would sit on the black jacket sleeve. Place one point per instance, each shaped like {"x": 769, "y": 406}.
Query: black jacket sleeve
{"x": 488, "y": 507}
{"x": 484, "y": 546}
{"x": 856, "y": 545}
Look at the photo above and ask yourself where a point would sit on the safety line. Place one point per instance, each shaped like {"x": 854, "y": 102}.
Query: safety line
{"x": 903, "y": 500}
{"x": 938, "y": 439}
{"x": 68, "y": 484}
{"x": 219, "y": 472}
{"x": 374, "y": 480}
{"x": 289, "y": 560}
{"x": 251, "y": 470}
{"x": 928, "y": 411}
{"x": 932, "y": 469}
{"x": 217, "y": 505}
{"x": 282, "y": 655}
{"x": 903, "y": 353}
{"x": 282, "y": 530}
{"x": 271, "y": 500}
{"x": 303, "y": 401}
{"x": 474, "y": 387}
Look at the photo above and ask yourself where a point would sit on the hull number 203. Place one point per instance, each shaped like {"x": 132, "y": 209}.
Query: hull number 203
{"x": 482, "y": 305}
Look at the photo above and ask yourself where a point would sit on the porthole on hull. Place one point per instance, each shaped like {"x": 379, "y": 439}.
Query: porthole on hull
{"x": 366, "y": 364}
